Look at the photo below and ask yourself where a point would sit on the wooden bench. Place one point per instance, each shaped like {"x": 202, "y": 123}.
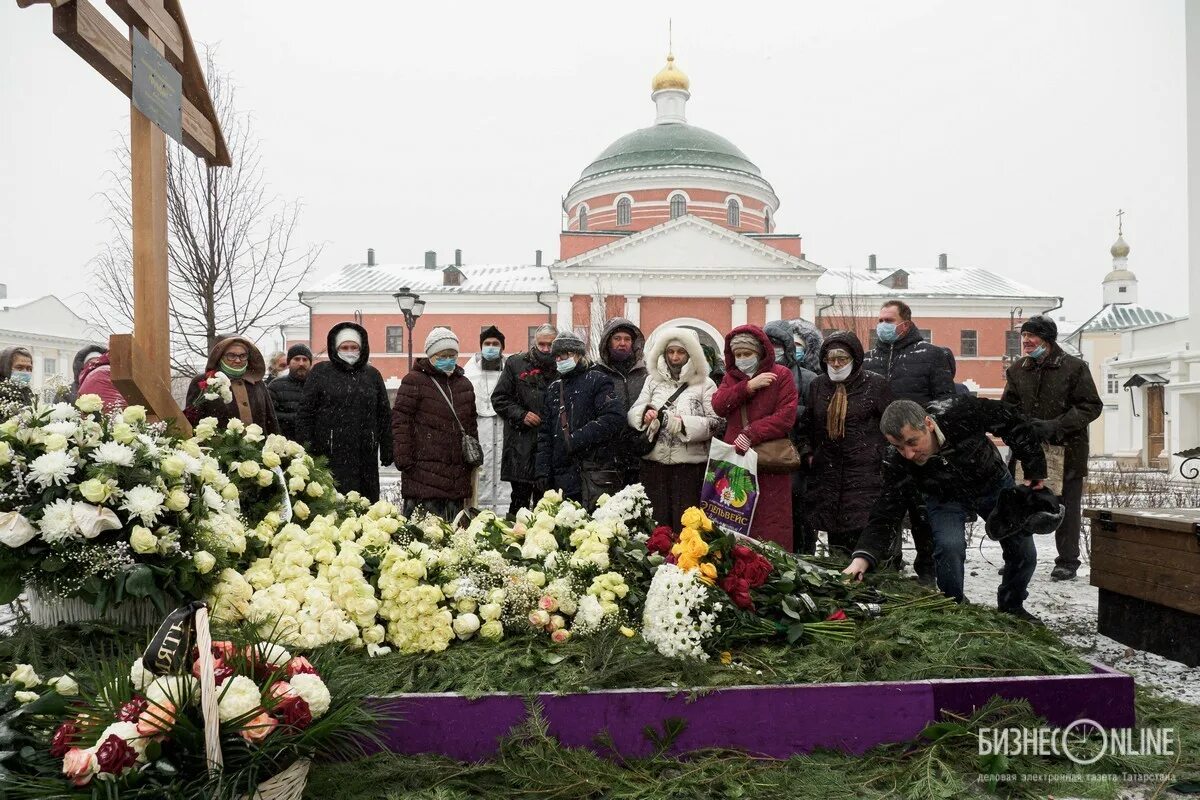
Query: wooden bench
{"x": 1146, "y": 564}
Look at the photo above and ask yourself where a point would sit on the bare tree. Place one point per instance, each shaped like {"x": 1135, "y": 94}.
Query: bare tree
{"x": 232, "y": 263}
{"x": 849, "y": 311}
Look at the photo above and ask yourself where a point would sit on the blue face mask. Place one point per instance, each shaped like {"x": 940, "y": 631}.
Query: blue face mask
{"x": 445, "y": 364}
{"x": 1038, "y": 351}
{"x": 491, "y": 352}
{"x": 565, "y": 366}
{"x": 886, "y": 331}
{"x": 799, "y": 352}
{"x": 22, "y": 378}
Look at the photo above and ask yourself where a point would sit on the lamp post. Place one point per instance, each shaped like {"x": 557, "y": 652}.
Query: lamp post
{"x": 1014, "y": 313}
{"x": 412, "y": 306}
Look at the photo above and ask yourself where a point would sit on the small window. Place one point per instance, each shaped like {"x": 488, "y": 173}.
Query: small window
{"x": 1122, "y": 289}
{"x": 1113, "y": 384}
{"x": 532, "y": 331}
{"x": 395, "y": 338}
{"x": 624, "y": 211}
{"x": 583, "y": 218}
{"x": 926, "y": 334}
{"x": 968, "y": 343}
{"x": 49, "y": 366}
{"x": 678, "y": 206}
{"x": 1012, "y": 343}
{"x": 733, "y": 213}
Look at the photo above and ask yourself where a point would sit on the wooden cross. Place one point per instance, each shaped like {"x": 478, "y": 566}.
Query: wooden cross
{"x": 141, "y": 362}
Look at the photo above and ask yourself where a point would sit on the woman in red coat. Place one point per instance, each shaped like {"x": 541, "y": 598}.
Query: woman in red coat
{"x": 767, "y": 393}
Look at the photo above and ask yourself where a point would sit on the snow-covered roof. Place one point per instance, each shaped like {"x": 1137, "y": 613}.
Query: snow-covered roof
{"x": 478, "y": 279}
{"x": 1123, "y": 316}
{"x": 15, "y": 302}
{"x": 953, "y": 282}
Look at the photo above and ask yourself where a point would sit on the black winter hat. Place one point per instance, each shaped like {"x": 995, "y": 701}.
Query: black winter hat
{"x": 299, "y": 350}
{"x": 491, "y": 332}
{"x": 1022, "y": 510}
{"x": 567, "y": 342}
{"x": 1041, "y": 326}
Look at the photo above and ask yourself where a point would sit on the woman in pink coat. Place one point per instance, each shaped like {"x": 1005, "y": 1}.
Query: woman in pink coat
{"x": 754, "y": 382}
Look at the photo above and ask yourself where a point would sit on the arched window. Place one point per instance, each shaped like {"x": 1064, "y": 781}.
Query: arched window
{"x": 624, "y": 211}
{"x": 583, "y": 218}
{"x": 678, "y": 206}
{"x": 766, "y": 220}
{"x": 733, "y": 213}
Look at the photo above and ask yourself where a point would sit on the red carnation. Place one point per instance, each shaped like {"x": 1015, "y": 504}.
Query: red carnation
{"x": 294, "y": 712}
{"x": 64, "y": 739}
{"x": 836, "y": 616}
{"x": 132, "y": 710}
{"x": 738, "y": 590}
{"x": 661, "y": 541}
{"x": 115, "y": 755}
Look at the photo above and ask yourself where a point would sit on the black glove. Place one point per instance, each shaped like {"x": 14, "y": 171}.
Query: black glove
{"x": 540, "y": 485}
{"x": 1048, "y": 430}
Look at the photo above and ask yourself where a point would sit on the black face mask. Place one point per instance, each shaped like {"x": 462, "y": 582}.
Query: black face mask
{"x": 543, "y": 359}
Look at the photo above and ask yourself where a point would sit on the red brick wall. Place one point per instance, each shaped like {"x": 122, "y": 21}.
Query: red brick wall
{"x": 657, "y": 310}
{"x": 602, "y": 213}
{"x": 791, "y": 307}
{"x": 788, "y": 244}
{"x": 572, "y": 244}
{"x": 756, "y": 311}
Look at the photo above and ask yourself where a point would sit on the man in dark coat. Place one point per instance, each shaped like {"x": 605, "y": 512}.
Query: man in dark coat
{"x": 583, "y": 416}
{"x": 783, "y": 335}
{"x": 344, "y": 412}
{"x": 621, "y": 348}
{"x": 518, "y": 399}
{"x": 240, "y": 361}
{"x": 287, "y": 390}
{"x": 85, "y": 355}
{"x": 942, "y": 452}
{"x": 1057, "y": 392}
{"x": 843, "y": 442}
{"x": 434, "y": 406}
{"x": 921, "y": 372}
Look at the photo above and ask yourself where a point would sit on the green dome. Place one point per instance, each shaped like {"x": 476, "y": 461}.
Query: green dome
{"x": 671, "y": 144}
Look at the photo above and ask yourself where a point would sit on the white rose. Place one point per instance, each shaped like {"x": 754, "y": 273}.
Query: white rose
{"x": 25, "y": 676}
{"x": 55, "y": 441}
{"x": 296, "y": 484}
{"x": 490, "y": 611}
{"x": 65, "y": 685}
{"x": 89, "y": 403}
{"x": 270, "y": 459}
{"x": 465, "y": 626}
{"x": 235, "y": 425}
{"x": 133, "y": 415}
{"x": 313, "y": 690}
{"x": 178, "y": 500}
{"x": 492, "y": 630}
{"x": 230, "y": 492}
{"x": 25, "y": 697}
{"x": 239, "y": 697}
{"x": 94, "y": 520}
{"x": 139, "y": 676}
{"x": 204, "y": 561}
{"x": 536, "y": 578}
{"x": 173, "y": 466}
{"x": 5, "y": 453}
{"x": 95, "y": 491}
{"x": 15, "y": 529}
{"x": 248, "y": 469}
{"x": 142, "y": 540}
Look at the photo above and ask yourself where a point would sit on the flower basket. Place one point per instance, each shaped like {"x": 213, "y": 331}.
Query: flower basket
{"x": 48, "y": 612}
{"x": 287, "y": 785}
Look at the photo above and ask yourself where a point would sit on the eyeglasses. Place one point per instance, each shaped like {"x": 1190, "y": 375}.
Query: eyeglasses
{"x": 838, "y": 361}
{"x": 235, "y": 356}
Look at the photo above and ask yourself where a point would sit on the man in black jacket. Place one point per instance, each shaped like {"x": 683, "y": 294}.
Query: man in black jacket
{"x": 287, "y": 390}
{"x": 1058, "y": 394}
{"x": 919, "y": 371}
{"x": 620, "y": 351}
{"x": 943, "y": 453}
{"x": 518, "y": 399}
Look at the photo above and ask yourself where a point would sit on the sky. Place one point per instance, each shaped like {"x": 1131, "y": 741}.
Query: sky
{"x": 1006, "y": 135}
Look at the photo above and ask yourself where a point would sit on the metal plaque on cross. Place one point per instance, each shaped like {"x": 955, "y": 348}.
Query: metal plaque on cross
{"x": 157, "y": 87}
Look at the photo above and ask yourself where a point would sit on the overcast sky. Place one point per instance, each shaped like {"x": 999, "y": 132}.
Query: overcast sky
{"x": 1005, "y": 134}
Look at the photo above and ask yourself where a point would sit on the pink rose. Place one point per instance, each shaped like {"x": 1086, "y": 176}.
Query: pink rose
{"x": 560, "y": 636}
{"x": 539, "y": 618}
{"x": 157, "y": 721}
{"x": 281, "y": 689}
{"x": 259, "y": 728}
{"x": 79, "y": 765}
{"x": 548, "y": 603}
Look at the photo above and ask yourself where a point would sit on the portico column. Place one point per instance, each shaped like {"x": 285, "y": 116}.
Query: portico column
{"x": 774, "y": 307}
{"x": 633, "y": 309}
{"x": 738, "y": 312}
{"x": 565, "y": 317}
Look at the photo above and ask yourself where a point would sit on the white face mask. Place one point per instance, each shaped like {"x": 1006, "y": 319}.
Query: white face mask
{"x": 350, "y": 357}
{"x": 746, "y": 365}
{"x": 839, "y": 374}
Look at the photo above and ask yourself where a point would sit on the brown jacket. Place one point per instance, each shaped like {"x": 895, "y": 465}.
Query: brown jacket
{"x": 427, "y": 442}
{"x": 251, "y": 400}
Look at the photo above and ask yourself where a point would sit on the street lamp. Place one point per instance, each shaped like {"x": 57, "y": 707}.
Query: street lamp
{"x": 412, "y": 306}
{"x": 1014, "y": 313}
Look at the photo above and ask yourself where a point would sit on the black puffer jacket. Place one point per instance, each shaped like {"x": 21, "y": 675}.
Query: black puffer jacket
{"x": 843, "y": 479}
{"x": 966, "y": 466}
{"x": 521, "y": 389}
{"x": 628, "y": 379}
{"x": 781, "y": 334}
{"x": 1059, "y": 393}
{"x": 595, "y": 417}
{"x": 917, "y": 370}
{"x": 287, "y": 393}
{"x": 344, "y": 416}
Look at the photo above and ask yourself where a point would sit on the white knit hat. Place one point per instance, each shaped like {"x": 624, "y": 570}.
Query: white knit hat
{"x": 440, "y": 339}
{"x": 347, "y": 335}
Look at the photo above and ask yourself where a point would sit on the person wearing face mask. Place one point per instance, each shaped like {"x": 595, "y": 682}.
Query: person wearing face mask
{"x": 582, "y": 420}
{"x": 757, "y": 399}
{"x": 843, "y": 444}
{"x": 808, "y": 338}
{"x": 287, "y": 390}
{"x": 517, "y": 399}
{"x": 676, "y": 401}
{"x": 239, "y": 360}
{"x": 483, "y": 370}
{"x": 1056, "y": 391}
{"x": 16, "y": 379}
{"x": 344, "y": 413}
{"x": 784, "y": 338}
{"x": 434, "y": 407}
{"x": 621, "y": 346}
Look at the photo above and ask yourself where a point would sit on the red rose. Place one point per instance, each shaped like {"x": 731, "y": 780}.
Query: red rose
{"x": 661, "y": 541}
{"x": 738, "y": 590}
{"x": 836, "y": 616}
{"x": 64, "y": 739}
{"x": 132, "y": 710}
{"x": 294, "y": 712}
{"x": 750, "y": 565}
{"x": 115, "y": 755}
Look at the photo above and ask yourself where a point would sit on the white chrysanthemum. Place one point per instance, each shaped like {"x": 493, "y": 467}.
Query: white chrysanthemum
{"x": 62, "y": 428}
{"x": 63, "y": 411}
{"x": 139, "y": 676}
{"x": 314, "y": 691}
{"x": 179, "y": 689}
{"x": 240, "y": 696}
{"x": 114, "y": 453}
{"x": 144, "y": 502}
{"x": 58, "y": 521}
{"x": 129, "y": 732}
{"x": 54, "y": 468}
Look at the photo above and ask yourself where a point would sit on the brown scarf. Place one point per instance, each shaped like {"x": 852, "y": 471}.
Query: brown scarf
{"x": 835, "y": 416}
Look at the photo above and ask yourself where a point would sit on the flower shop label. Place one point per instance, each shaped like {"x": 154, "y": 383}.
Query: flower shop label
{"x": 730, "y": 492}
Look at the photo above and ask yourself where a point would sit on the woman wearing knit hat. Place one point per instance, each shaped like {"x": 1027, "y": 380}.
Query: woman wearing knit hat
{"x": 435, "y": 407}
{"x": 582, "y": 420}
{"x": 483, "y": 370}
{"x": 344, "y": 412}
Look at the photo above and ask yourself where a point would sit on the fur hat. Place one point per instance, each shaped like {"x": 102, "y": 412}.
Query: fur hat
{"x": 567, "y": 342}
{"x": 440, "y": 339}
{"x": 1022, "y": 510}
{"x": 1042, "y": 327}
{"x": 491, "y": 332}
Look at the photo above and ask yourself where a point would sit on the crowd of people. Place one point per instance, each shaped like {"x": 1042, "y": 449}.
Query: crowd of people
{"x": 884, "y": 436}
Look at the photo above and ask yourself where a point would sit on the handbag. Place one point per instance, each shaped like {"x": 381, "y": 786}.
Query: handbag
{"x": 774, "y": 455}
{"x": 472, "y": 450}
{"x": 648, "y": 438}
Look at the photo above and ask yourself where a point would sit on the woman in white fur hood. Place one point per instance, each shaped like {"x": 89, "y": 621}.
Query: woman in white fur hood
{"x": 673, "y": 472}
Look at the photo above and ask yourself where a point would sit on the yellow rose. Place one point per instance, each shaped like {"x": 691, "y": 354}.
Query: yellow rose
{"x": 270, "y": 459}
{"x": 172, "y": 466}
{"x": 627, "y": 632}
{"x": 133, "y": 415}
{"x": 122, "y": 433}
{"x": 697, "y": 520}
{"x": 178, "y": 500}
{"x": 143, "y": 541}
{"x": 300, "y": 510}
{"x": 95, "y": 491}
{"x": 265, "y": 478}
{"x": 56, "y": 441}
{"x": 708, "y": 573}
{"x": 314, "y": 490}
{"x": 89, "y": 403}
{"x": 248, "y": 469}
{"x": 204, "y": 561}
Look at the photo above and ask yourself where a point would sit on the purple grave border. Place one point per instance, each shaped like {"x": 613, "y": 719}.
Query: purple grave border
{"x": 770, "y": 721}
